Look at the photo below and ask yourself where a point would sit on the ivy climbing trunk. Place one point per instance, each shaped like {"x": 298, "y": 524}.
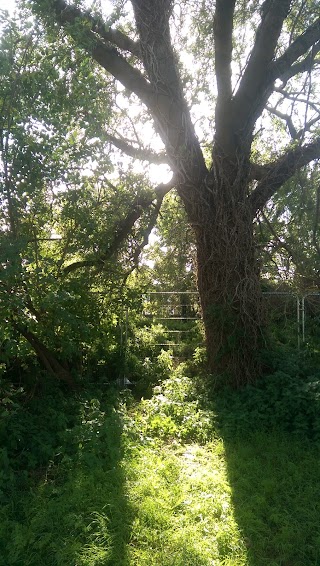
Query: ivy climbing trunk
{"x": 228, "y": 280}
{"x": 231, "y": 304}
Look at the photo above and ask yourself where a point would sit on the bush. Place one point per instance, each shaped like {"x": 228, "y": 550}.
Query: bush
{"x": 173, "y": 412}
{"x": 286, "y": 400}
{"x": 147, "y": 372}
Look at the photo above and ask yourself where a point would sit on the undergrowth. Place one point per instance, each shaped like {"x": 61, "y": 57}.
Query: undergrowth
{"x": 287, "y": 400}
{"x": 180, "y": 479}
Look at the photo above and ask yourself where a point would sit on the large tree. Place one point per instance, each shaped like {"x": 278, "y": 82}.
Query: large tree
{"x": 257, "y": 62}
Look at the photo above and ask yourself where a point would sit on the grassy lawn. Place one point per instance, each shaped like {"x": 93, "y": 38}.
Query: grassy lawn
{"x": 163, "y": 482}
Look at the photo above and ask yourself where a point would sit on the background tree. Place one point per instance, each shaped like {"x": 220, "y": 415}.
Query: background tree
{"x": 289, "y": 233}
{"x": 172, "y": 254}
{"x": 58, "y": 207}
{"x": 260, "y": 61}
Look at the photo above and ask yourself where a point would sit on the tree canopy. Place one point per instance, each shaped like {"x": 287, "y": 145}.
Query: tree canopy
{"x": 226, "y": 94}
{"x": 59, "y": 204}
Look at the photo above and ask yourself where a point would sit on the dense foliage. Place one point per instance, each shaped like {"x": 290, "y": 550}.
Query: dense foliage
{"x": 234, "y": 136}
{"x": 178, "y": 468}
{"x": 61, "y": 204}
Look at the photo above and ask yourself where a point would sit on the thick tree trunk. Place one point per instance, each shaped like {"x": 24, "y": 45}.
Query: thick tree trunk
{"x": 228, "y": 283}
{"x": 231, "y": 305}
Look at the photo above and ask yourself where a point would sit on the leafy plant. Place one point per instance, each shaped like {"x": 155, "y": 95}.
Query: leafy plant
{"x": 287, "y": 400}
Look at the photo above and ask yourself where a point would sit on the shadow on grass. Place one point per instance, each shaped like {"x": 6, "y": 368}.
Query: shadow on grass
{"x": 75, "y": 512}
{"x": 272, "y": 447}
{"x": 275, "y": 482}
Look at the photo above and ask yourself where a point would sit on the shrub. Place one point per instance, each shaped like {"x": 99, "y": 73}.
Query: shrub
{"x": 174, "y": 412}
{"x": 288, "y": 401}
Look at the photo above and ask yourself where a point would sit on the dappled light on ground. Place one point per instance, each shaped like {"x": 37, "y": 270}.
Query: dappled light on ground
{"x": 174, "y": 480}
{"x": 183, "y": 508}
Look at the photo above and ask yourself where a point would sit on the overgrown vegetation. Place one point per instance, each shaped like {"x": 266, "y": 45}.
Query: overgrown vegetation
{"x": 98, "y": 478}
{"x": 178, "y": 469}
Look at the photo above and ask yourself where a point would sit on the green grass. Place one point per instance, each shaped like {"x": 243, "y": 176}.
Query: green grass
{"x": 161, "y": 482}
{"x": 183, "y": 514}
{"x": 275, "y": 482}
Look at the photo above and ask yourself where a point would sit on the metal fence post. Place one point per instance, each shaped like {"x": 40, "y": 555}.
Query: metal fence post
{"x": 298, "y": 321}
{"x": 303, "y": 312}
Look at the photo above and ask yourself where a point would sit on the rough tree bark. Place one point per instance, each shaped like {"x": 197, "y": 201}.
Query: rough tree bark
{"x": 229, "y": 288}
{"x": 222, "y": 198}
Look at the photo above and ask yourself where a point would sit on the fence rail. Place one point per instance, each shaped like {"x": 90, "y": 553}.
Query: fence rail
{"x": 287, "y": 308}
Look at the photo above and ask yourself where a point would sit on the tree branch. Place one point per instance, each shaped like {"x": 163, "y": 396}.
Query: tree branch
{"x": 305, "y": 65}
{"x": 46, "y": 356}
{"x": 223, "y": 26}
{"x": 282, "y": 68}
{"x": 295, "y": 134}
{"x": 171, "y": 113}
{"x": 136, "y": 152}
{"x": 281, "y": 243}
{"x": 258, "y": 171}
{"x": 296, "y": 97}
{"x": 107, "y": 56}
{"x": 287, "y": 118}
{"x": 163, "y": 95}
{"x": 307, "y": 126}
{"x": 69, "y": 13}
{"x": 280, "y": 171}
{"x": 255, "y": 85}
{"x": 147, "y": 232}
{"x": 123, "y": 230}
